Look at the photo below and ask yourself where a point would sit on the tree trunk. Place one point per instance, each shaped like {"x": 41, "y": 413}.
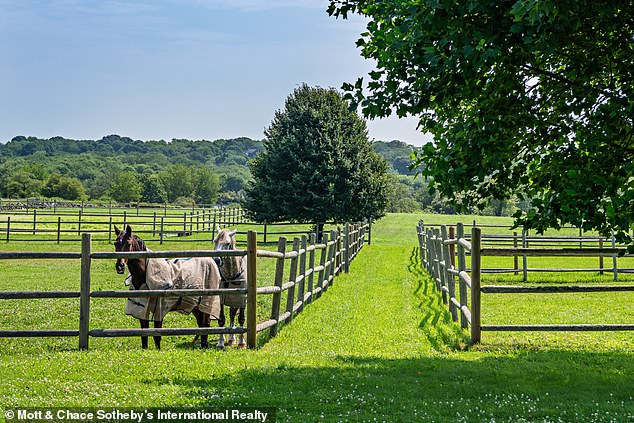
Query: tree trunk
{"x": 319, "y": 231}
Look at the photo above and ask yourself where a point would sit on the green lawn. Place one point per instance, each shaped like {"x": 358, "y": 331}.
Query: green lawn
{"x": 379, "y": 345}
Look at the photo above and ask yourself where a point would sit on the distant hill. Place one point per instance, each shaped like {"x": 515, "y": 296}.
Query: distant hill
{"x": 221, "y": 152}
{"x": 30, "y": 165}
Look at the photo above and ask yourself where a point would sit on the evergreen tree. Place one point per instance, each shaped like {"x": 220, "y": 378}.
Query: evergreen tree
{"x": 318, "y": 164}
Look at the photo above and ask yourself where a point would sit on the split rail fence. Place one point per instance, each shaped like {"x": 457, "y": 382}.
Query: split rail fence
{"x": 441, "y": 247}
{"x": 312, "y": 269}
{"x": 69, "y": 225}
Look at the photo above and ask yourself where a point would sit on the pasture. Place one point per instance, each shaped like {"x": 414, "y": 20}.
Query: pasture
{"x": 378, "y": 346}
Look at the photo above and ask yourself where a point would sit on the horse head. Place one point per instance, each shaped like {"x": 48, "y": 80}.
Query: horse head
{"x": 126, "y": 242}
{"x": 228, "y": 266}
{"x": 225, "y": 240}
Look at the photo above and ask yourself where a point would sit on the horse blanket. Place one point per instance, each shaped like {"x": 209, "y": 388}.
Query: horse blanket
{"x": 234, "y": 300}
{"x": 190, "y": 273}
{"x": 238, "y": 280}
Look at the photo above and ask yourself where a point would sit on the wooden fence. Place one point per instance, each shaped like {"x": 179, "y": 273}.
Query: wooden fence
{"x": 439, "y": 249}
{"x": 54, "y": 224}
{"x": 524, "y": 240}
{"x": 69, "y": 225}
{"x": 313, "y": 268}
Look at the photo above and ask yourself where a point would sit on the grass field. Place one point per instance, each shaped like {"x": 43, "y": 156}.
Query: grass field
{"x": 378, "y": 346}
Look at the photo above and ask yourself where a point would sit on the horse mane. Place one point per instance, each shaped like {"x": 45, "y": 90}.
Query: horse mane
{"x": 140, "y": 243}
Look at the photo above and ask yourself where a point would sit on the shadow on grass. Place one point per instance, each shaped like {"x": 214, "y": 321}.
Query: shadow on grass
{"x": 535, "y": 385}
{"x": 437, "y": 325}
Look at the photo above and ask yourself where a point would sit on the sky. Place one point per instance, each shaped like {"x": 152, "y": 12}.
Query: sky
{"x": 165, "y": 69}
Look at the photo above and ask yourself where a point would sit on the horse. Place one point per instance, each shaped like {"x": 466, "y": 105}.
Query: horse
{"x": 233, "y": 272}
{"x": 159, "y": 273}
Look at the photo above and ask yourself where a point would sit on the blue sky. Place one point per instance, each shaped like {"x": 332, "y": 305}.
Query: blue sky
{"x": 163, "y": 69}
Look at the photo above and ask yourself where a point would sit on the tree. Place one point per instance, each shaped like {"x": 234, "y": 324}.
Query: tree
{"x": 526, "y": 97}
{"x": 63, "y": 187}
{"x": 178, "y": 182}
{"x": 22, "y": 184}
{"x": 153, "y": 190}
{"x": 126, "y": 187}
{"x": 317, "y": 165}
{"x": 206, "y": 186}
{"x": 402, "y": 197}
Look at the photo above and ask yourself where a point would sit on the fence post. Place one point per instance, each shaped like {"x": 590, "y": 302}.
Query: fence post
{"x": 84, "y": 295}
{"x": 436, "y": 263}
{"x": 452, "y": 247}
{"x": 302, "y": 273}
{"x": 614, "y": 264}
{"x": 338, "y": 252}
{"x": 277, "y": 297}
{"x": 449, "y": 264}
{"x": 292, "y": 277}
{"x": 441, "y": 234}
{"x": 311, "y": 265}
{"x": 419, "y": 234}
{"x": 79, "y": 222}
{"x": 332, "y": 257}
{"x": 515, "y": 258}
{"x": 323, "y": 274}
{"x": 59, "y": 228}
{"x": 601, "y": 255}
{"x": 154, "y": 226}
{"x": 476, "y": 267}
{"x": 580, "y": 237}
{"x": 252, "y": 288}
{"x": 462, "y": 267}
{"x": 161, "y": 233}
{"x": 265, "y": 232}
{"x": 8, "y": 227}
{"x": 346, "y": 248}
{"x": 125, "y": 219}
{"x": 34, "y": 220}
{"x": 370, "y": 232}
{"x": 524, "y": 261}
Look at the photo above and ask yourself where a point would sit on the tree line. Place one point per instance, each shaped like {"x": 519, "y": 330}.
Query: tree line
{"x": 179, "y": 172}
{"x": 126, "y": 170}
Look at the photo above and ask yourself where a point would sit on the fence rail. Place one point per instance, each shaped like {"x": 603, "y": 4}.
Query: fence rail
{"x": 308, "y": 279}
{"x": 438, "y": 253}
{"x": 64, "y": 226}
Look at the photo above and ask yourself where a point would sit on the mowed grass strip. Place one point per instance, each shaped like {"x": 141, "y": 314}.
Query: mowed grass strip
{"x": 379, "y": 345}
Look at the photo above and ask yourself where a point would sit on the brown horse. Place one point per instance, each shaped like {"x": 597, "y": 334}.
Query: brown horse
{"x": 233, "y": 271}
{"x": 198, "y": 273}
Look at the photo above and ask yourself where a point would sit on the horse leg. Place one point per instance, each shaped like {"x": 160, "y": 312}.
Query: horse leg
{"x": 204, "y": 339}
{"x": 203, "y": 322}
{"x": 157, "y": 339}
{"x": 232, "y": 318}
{"x": 221, "y": 323}
{"x": 241, "y": 342}
{"x": 144, "y": 325}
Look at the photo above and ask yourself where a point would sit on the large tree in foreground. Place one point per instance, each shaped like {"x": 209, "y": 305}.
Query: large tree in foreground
{"x": 317, "y": 165}
{"x": 526, "y": 97}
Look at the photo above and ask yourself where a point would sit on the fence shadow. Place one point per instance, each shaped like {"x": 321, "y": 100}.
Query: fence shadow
{"x": 531, "y": 386}
{"x": 437, "y": 325}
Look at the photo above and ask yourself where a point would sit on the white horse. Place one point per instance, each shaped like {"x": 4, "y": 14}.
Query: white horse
{"x": 233, "y": 274}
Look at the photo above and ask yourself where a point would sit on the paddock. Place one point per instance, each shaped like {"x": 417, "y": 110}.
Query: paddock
{"x": 444, "y": 253}
{"x": 303, "y": 272}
